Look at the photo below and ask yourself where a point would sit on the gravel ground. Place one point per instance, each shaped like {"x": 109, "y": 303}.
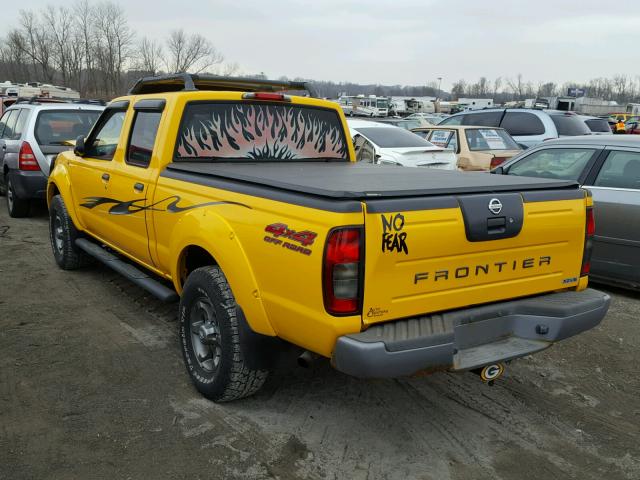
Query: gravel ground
{"x": 92, "y": 385}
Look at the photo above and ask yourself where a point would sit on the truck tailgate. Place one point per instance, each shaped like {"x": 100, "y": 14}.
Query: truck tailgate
{"x": 429, "y": 254}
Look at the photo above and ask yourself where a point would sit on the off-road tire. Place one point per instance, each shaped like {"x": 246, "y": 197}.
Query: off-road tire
{"x": 16, "y": 206}
{"x": 63, "y": 234}
{"x": 232, "y": 379}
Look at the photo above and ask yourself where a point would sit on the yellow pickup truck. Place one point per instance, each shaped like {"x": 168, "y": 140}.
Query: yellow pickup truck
{"x": 244, "y": 201}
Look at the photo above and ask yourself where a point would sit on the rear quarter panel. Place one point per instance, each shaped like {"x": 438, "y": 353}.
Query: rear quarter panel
{"x": 277, "y": 281}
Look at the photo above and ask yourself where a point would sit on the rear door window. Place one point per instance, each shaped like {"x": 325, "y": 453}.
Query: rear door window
{"x": 455, "y": 120}
{"x": 256, "y": 131}
{"x": 9, "y": 120}
{"x": 522, "y": 124}
{"x": 486, "y": 119}
{"x": 143, "y": 136}
{"x": 620, "y": 170}
{"x": 556, "y": 163}
{"x": 21, "y": 122}
{"x": 54, "y": 127}
{"x": 570, "y": 125}
{"x": 598, "y": 125}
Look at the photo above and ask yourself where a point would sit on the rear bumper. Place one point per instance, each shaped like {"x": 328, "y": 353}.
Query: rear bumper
{"x": 470, "y": 338}
{"x": 29, "y": 184}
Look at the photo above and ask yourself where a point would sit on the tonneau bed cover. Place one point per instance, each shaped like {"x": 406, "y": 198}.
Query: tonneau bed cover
{"x": 359, "y": 181}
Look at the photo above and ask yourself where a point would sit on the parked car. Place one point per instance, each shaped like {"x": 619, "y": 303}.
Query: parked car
{"x": 407, "y": 124}
{"x": 428, "y": 118}
{"x": 597, "y": 125}
{"x": 269, "y": 246}
{"x": 477, "y": 148}
{"x": 527, "y": 126}
{"x": 610, "y": 168}
{"x": 632, "y": 127}
{"x": 31, "y": 136}
{"x": 379, "y": 143}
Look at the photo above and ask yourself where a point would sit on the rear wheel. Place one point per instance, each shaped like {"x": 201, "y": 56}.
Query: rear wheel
{"x": 63, "y": 234}
{"x": 17, "y": 207}
{"x": 209, "y": 336}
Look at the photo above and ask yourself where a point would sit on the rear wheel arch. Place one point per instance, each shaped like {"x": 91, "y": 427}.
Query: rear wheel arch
{"x": 238, "y": 272}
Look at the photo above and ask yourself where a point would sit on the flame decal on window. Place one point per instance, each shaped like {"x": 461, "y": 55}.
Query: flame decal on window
{"x": 261, "y": 131}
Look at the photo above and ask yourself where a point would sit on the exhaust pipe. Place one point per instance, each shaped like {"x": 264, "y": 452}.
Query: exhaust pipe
{"x": 490, "y": 373}
{"x": 306, "y": 358}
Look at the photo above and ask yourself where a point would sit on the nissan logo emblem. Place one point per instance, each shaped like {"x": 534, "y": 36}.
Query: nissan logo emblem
{"x": 495, "y": 206}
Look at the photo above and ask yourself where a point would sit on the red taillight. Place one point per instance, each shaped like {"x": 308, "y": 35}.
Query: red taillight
{"x": 26, "y": 158}
{"x": 589, "y": 231}
{"x": 277, "y": 97}
{"x": 342, "y": 271}
{"x": 497, "y": 161}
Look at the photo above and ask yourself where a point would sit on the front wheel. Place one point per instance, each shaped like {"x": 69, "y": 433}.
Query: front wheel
{"x": 209, "y": 336}
{"x": 63, "y": 234}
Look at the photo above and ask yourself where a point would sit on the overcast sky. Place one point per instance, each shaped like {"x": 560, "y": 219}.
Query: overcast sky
{"x": 403, "y": 41}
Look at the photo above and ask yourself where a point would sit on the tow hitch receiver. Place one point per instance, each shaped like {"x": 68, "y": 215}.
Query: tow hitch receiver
{"x": 490, "y": 373}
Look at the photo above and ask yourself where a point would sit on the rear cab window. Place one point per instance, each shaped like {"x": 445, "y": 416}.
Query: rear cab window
{"x": 489, "y": 139}
{"x": 54, "y": 127}
{"x": 569, "y": 125}
{"x": 260, "y": 131}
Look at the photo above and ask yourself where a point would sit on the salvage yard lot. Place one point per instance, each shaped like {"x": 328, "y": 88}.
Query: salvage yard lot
{"x": 92, "y": 385}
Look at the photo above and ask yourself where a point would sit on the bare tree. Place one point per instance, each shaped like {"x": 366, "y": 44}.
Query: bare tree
{"x": 458, "y": 89}
{"x": 58, "y": 22}
{"x": 190, "y": 52}
{"x": 114, "y": 42}
{"x": 517, "y": 87}
{"x": 150, "y": 56}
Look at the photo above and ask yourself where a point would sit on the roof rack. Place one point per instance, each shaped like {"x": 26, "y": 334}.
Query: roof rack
{"x": 39, "y": 100}
{"x": 180, "y": 82}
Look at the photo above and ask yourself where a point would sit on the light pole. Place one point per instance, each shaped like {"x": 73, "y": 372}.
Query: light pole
{"x": 439, "y": 84}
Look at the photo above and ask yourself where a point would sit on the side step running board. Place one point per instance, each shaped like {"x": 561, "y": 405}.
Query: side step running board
{"x": 138, "y": 277}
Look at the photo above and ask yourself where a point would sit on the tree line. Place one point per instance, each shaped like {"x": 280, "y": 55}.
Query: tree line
{"x": 621, "y": 88}
{"x": 91, "y": 47}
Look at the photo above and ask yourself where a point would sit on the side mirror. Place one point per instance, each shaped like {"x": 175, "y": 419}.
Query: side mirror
{"x": 498, "y": 171}
{"x": 79, "y": 148}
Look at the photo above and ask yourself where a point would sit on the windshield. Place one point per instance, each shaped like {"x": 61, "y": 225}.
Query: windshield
{"x": 53, "y": 127}
{"x": 598, "y": 125}
{"x": 489, "y": 139}
{"x": 570, "y": 125}
{"x": 394, "y": 137}
{"x": 260, "y": 131}
{"x": 382, "y": 103}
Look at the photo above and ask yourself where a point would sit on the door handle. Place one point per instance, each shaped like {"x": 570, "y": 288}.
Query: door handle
{"x": 138, "y": 187}
{"x": 105, "y": 177}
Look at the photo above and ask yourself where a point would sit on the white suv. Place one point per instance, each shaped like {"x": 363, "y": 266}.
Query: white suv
{"x": 527, "y": 126}
{"x": 31, "y": 136}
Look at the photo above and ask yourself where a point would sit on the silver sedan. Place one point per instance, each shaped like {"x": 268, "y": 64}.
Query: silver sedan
{"x": 609, "y": 166}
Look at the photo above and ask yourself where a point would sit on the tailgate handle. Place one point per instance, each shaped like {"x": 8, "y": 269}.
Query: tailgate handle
{"x": 496, "y": 225}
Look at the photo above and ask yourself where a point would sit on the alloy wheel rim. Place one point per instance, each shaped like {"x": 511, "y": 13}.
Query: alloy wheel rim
{"x": 205, "y": 335}
{"x": 9, "y": 195}
{"x": 58, "y": 233}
